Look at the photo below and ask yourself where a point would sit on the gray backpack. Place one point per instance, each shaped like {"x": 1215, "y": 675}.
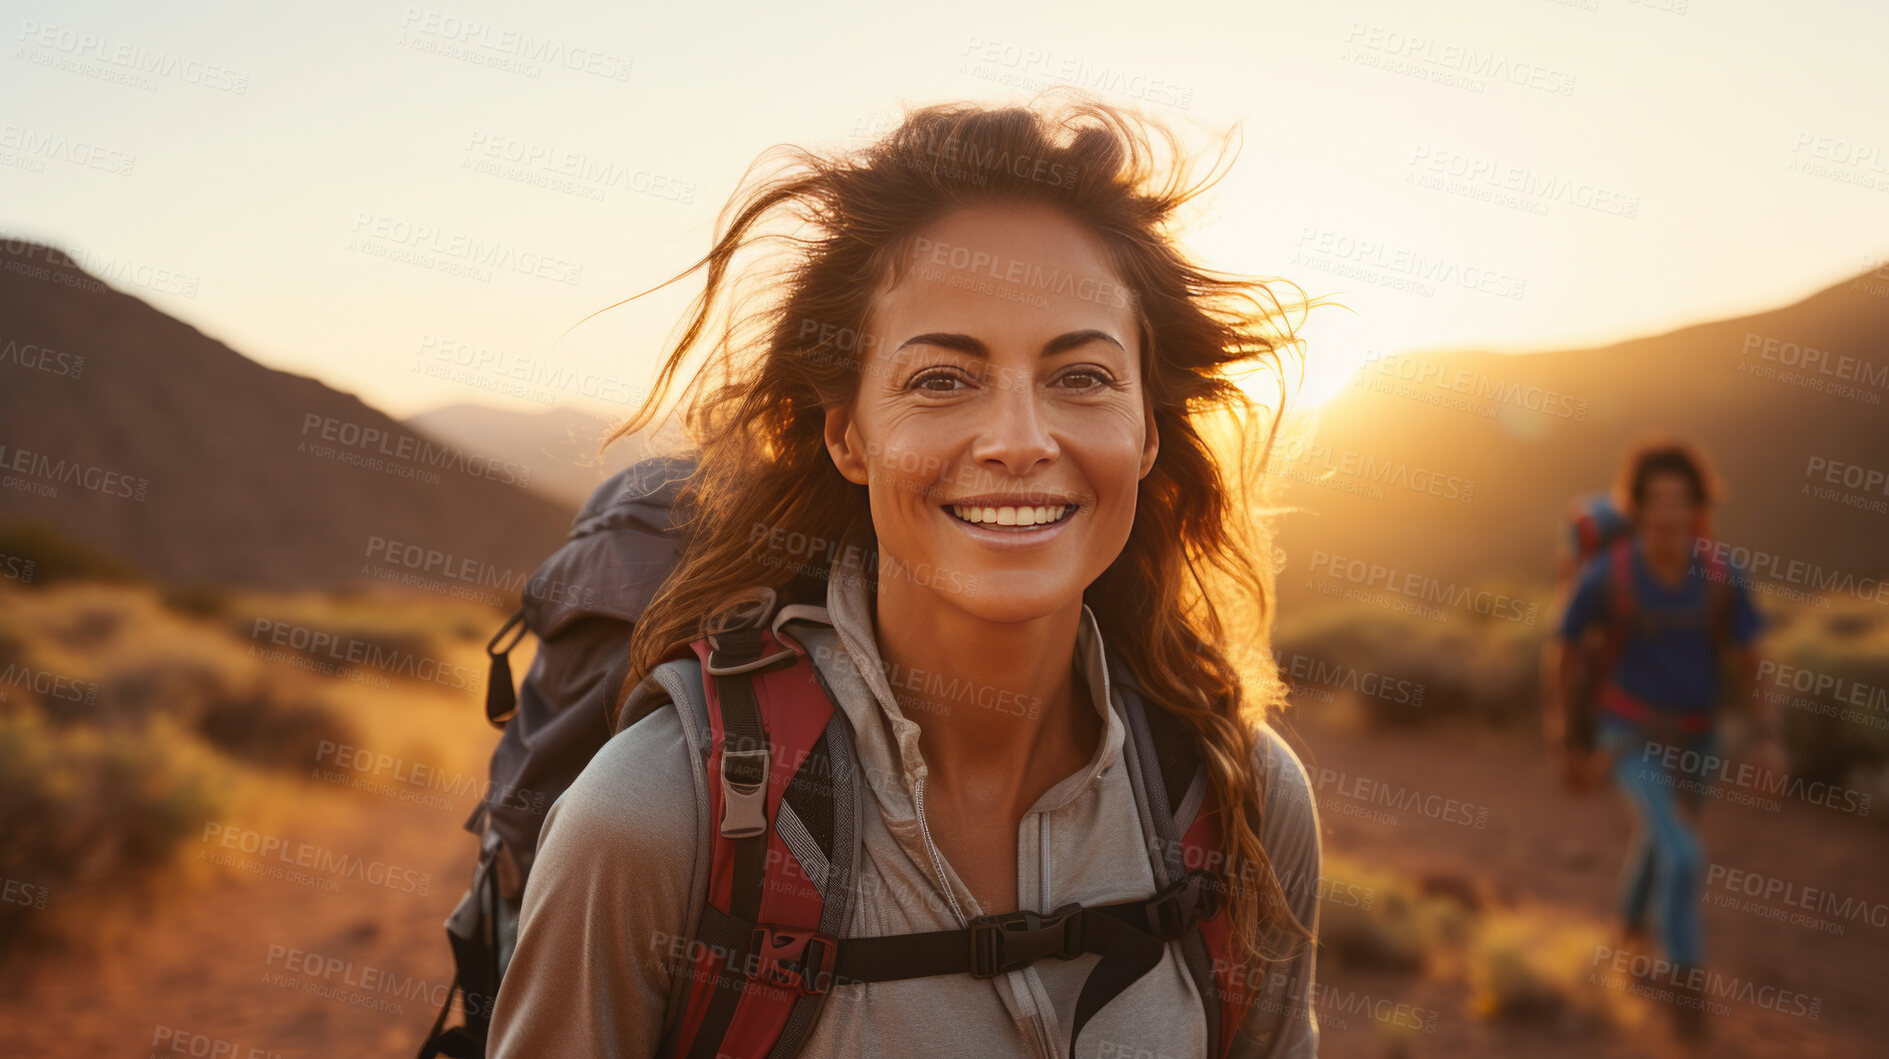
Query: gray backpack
{"x": 581, "y": 604}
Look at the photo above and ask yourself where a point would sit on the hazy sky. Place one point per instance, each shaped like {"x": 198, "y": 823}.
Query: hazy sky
{"x": 304, "y": 181}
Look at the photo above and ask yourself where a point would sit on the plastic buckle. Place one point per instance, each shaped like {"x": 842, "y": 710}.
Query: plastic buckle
{"x": 744, "y": 805}
{"x": 1187, "y": 900}
{"x": 736, "y": 634}
{"x": 1016, "y": 939}
{"x": 786, "y": 955}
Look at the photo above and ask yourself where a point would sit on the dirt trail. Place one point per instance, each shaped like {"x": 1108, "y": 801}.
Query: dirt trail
{"x": 215, "y": 964}
{"x": 345, "y": 962}
{"x": 1563, "y": 856}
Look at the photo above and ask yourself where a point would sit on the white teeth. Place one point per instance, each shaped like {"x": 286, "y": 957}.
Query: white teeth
{"x": 1010, "y": 516}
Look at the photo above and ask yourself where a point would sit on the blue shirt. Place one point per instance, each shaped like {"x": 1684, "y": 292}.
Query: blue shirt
{"x": 1667, "y": 658}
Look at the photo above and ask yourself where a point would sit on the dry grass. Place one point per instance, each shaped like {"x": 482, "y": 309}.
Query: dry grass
{"x": 1518, "y": 963}
{"x": 1486, "y": 672}
{"x": 131, "y": 714}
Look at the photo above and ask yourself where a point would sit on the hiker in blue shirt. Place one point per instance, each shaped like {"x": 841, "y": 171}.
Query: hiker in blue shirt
{"x": 1668, "y": 612}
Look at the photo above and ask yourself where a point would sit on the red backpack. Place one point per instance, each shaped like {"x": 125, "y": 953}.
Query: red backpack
{"x": 780, "y": 769}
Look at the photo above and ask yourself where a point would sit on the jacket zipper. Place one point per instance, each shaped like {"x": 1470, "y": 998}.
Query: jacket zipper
{"x": 1045, "y": 1047}
{"x": 937, "y": 862}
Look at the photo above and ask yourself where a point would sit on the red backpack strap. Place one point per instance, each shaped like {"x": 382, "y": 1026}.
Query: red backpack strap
{"x": 1620, "y": 596}
{"x": 1201, "y": 845}
{"x": 1718, "y": 597}
{"x": 1620, "y": 601}
{"x": 762, "y": 957}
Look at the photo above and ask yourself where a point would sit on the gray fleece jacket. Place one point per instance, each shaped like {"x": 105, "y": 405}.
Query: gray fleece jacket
{"x": 611, "y": 890}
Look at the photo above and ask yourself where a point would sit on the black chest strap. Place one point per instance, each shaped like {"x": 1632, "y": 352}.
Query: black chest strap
{"x": 1130, "y": 936}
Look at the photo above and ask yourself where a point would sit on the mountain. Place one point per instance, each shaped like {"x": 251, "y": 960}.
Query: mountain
{"x": 558, "y": 444}
{"x": 136, "y": 433}
{"x": 1457, "y": 466}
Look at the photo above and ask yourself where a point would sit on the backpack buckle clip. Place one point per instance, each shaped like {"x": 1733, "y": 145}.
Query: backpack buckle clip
{"x": 1186, "y": 901}
{"x": 736, "y": 632}
{"x": 744, "y": 801}
{"x": 792, "y": 958}
{"x": 1016, "y": 939}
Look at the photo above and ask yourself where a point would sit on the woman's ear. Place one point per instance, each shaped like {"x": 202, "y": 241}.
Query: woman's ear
{"x": 842, "y": 443}
{"x": 1150, "y": 445}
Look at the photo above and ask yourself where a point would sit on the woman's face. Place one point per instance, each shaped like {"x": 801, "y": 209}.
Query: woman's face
{"x": 999, "y": 426}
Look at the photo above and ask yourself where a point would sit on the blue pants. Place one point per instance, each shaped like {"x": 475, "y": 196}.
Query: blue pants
{"x": 1666, "y": 866}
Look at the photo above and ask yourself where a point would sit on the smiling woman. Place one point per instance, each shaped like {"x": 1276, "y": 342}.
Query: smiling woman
{"x": 986, "y": 381}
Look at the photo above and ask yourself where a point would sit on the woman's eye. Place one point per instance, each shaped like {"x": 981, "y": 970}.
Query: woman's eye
{"x": 931, "y": 379}
{"x": 1087, "y": 379}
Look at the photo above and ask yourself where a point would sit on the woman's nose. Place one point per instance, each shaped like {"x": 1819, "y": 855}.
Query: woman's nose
{"x": 1014, "y": 429}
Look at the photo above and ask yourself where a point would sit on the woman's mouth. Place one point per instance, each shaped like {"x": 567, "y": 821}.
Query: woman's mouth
{"x": 1011, "y": 517}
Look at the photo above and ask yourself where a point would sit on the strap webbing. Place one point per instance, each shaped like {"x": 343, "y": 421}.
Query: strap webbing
{"x": 1129, "y": 936}
{"x": 743, "y": 731}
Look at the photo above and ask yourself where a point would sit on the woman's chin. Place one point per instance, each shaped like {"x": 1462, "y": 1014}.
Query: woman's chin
{"x": 1009, "y": 595}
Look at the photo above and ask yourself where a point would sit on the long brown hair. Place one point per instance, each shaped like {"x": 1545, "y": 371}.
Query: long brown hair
{"x": 1187, "y": 605}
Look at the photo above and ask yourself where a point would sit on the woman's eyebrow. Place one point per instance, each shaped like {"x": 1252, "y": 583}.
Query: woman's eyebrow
{"x": 976, "y": 348}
